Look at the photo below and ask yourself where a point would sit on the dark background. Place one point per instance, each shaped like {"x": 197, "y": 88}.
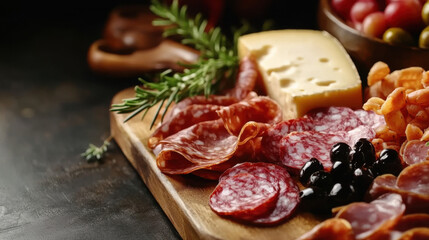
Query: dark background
{"x": 52, "y": 106}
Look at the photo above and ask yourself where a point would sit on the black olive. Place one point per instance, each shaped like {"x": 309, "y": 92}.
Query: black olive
{"x": 357, "y": 159}
{"x": 321, "y": 179}
{"x": 389, "y": 162}
{"x": 340, "y": 152}
{"x": 341, "y": 194}
{"x": 362, "y": 179}
{"x": 368, "y": 150}
{"x": 311, "y": 166}
{"x": 341, "y": 172}
{"x": 314, "y": 199}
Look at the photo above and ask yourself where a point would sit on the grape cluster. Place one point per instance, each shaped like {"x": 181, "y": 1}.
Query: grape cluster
{"x": 352, "y": 172}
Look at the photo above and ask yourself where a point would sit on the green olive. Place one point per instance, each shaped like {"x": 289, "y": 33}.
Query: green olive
{"x": 398, "y": 36}
{"x": 424, "y": 38}
{"x": 425, "y": 13}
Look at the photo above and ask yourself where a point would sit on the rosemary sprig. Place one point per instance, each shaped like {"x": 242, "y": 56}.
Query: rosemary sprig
{"x": 218, "y": 60}
{"x": 94, "y": 153}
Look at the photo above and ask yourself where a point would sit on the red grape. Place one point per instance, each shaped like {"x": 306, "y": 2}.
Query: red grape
{"x": 342, "y": 7}
{"x": 404, "y": 14}
{"x": 374, "y": 24}
{"x": 361, "y": 9}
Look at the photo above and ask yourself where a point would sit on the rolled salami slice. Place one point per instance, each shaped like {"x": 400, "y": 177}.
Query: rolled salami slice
{"x": 288, "y": 198}
{"x": 415, "y": 151}
{"x": 367, "y": 219}
{"x": 299, "y": 147}
{"x": 244, "y": 197}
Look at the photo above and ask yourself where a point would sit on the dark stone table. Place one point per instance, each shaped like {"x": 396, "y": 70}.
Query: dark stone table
{"x": 51, "y": 107}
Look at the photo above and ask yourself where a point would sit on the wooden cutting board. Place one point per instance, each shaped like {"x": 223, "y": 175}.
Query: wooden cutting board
{"x": 184, "y": 199}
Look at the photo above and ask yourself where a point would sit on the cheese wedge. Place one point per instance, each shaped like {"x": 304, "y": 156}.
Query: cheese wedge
{"x": 303, "y": 69}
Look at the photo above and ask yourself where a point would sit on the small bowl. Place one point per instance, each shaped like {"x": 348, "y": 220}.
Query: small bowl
{"x": 364, "y": 50}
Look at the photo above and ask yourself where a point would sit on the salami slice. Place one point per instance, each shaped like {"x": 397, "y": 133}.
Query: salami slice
{"x": 367, "y": 219}
{"x": 333, "y": 119}
{"x": 412, "y": 184}
{"x": 189, "y": 116}
{"x": 257, "y": 109}
{"x": 299, "y": 147}
{"x": 412, "y": 221}
{"x": 205, "y": 145}
{"x": 330, "y": 229}
{"x": 244, "y": 197}
{"x": 415, "y": 151}
{"x": 200, "y": 100}
{"x": 288, "y": 198}
{"x": 370, "y": 118}
{"x": 415, "y": 178}
{"x": 270, "y": 143}
{"x": 246, "y": 79}
{"x": 359, "y": 132}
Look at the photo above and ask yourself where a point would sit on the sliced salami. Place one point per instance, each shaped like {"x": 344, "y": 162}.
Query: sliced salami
{"x": 334, "y": 119}
{"x": 359, "y": 132}
{"x": 207, "y": 144}
{"x": 299, "y": 147}
{"x": 244, "y": 197}
{"x": 415, "y": 151}
{"x": 189, "y": 116}
{"x": 370, "y": 118}
{"x": 200, "y": 100}
{"x": 288, "y": 198}
{"x": 367, "y": 219}
{"x": 247, "y": 78}
{"x": 410, "y": 221}
{"x": 415, "y": 178}
{"x": 412, "y": 184}
{"x": 257, "y": 109}
{"x": 270, "y": 144}
{"x": 332, "y": 229}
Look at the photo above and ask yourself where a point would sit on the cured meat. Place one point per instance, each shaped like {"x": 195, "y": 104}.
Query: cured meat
{"x": 333, "y": 119}
{"x": 415, "y": 151}
{"x": 270, "y": 144}
{"x": 207, "y": 144}
{"x": 244, "y": 197}
{"x": 415, "y": 234}
{"x": 258, "y": 109}
{"x": 367, "y": 219}
{"x": 370, "y": 118}
{"x": 415, "y": 178}
{"x": 412, "y": 221}
{"x": 330, "y": 229}
{"x": 412, "y": 184}
{"x": 200, "y": 100}
{"x": 187, "y": 117}
{"x": 299, "y": 147}
{"x": 288, "y": 198}
{"x": 359, "y": 132}
{"x": 247, "y": 78}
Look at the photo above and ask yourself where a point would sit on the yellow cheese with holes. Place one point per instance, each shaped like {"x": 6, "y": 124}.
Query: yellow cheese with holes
{"x": 304, "y": 69}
